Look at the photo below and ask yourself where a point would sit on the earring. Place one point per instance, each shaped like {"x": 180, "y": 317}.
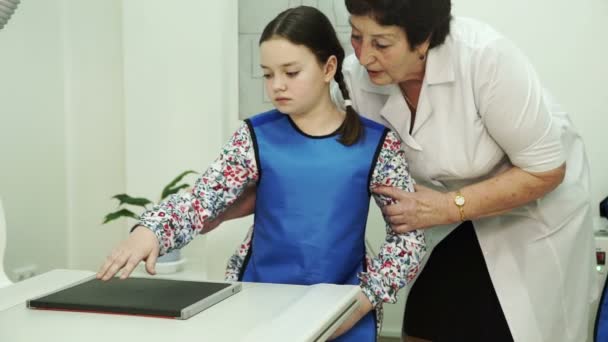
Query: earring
{"x": 421, "y": 56}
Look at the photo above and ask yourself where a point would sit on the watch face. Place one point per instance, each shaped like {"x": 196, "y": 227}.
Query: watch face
{"x": 459, "y": 200}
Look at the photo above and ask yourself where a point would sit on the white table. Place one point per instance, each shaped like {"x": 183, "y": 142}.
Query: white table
{"x": 260, "y": 312}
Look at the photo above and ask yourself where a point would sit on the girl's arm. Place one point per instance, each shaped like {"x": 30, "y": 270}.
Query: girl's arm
{"x": 398, "y": 261}
{"x": 174, "y": 222}
{"x": 399, "y": 258}
{"x": 179, "y": 218}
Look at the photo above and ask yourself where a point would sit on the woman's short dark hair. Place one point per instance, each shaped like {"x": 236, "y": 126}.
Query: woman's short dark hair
{"x": 309, "y": 27}
{"x": 419, "y": 19}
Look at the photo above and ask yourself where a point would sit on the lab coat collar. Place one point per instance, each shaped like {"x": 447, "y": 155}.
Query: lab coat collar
{"x": 396, "y": 112}
{"x": 440, "y": 65}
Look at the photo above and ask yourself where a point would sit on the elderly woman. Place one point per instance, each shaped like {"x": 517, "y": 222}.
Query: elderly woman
{"x": 503, "y": 177}
{"x": 504, "y": 180}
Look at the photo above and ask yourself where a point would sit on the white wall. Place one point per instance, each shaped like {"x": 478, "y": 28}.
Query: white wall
{"x": 72, "y": 111}
{"x": 94, "y": 123}
{"x": 32, "y": 133}
{"x": 61, "y": 151}
{"x": 181, "y": 100}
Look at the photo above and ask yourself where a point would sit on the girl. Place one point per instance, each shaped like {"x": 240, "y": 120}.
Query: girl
{"x": 314, "y": 167}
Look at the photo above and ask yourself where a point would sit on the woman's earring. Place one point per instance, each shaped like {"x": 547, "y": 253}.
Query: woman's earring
{"x": 422, "y": 56}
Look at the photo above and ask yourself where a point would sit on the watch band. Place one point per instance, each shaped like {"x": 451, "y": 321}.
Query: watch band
{"x": 460, "y": 202}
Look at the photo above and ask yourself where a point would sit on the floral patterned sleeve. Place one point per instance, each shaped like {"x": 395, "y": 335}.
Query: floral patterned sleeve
{"x": 399, "y": 258}
{"x": 180, "y": 217}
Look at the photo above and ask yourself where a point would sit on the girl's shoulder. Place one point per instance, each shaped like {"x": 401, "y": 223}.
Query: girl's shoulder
{"x": 265, "y": 117}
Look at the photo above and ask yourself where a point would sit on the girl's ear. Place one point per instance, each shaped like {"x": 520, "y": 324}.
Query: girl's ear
{"x": 330, "y": 68}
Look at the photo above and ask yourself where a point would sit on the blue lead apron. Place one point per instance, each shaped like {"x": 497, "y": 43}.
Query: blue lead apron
{"x": 601, "y": 318}
{"x": 311, "y": 207}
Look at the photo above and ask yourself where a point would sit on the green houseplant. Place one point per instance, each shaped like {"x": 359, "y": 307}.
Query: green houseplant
{"x": 170, "y": 262}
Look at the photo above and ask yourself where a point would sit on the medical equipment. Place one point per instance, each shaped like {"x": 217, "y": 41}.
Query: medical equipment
{"x": 601, "y": 251}
{"x": 601, "y": 241}
{"x": 604, "y": 208}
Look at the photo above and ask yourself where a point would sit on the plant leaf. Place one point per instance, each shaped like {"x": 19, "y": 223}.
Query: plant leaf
{"x": 118, "y": 214}
{"x": 171, "y": 186}
{"x": 126, "y": 199}
{"x": 169, "y": 192}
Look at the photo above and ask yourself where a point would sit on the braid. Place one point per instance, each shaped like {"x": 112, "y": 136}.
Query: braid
{"x": 352, "y": 129}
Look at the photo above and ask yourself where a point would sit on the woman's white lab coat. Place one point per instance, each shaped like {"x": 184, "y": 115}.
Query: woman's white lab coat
{"x": 482, "y": 110}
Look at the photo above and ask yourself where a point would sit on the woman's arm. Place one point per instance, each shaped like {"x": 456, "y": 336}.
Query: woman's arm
{"x": 426, "y": 208}
{"x": 507, "y": 191}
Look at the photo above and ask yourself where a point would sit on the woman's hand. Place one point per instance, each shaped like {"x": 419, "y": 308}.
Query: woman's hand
{"x": 417, "y": 210}
{"x": 364, "y": 307}
{"x": 142, "y": 244}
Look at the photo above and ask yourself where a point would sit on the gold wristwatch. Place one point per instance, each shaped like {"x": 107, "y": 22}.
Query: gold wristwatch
{"x": 460, "y": 201}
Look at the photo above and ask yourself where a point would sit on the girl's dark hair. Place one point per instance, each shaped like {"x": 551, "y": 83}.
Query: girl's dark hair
{"x": 419, "y": 19}
{"x": 309, "y": 27}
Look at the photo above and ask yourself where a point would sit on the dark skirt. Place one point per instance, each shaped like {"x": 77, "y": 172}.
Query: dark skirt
{"x": 453, "y": 298}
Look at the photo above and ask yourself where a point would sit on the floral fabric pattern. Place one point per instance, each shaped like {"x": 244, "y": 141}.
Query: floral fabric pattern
{"x": 178, "y": 219}
{"x": 236, "y": 262}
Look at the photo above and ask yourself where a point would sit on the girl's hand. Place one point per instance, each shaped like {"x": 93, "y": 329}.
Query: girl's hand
{"x": 418, "y": 210}
{"x": 364, "y": 307}
{"x": 142, "y": 244}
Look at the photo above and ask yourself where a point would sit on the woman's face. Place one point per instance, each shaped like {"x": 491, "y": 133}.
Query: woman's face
{"x": 294, "y": 80}
{"x": 385, "y": 52}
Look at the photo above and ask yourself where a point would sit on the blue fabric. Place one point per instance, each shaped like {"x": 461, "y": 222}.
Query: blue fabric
{"x": 601, "y": 319}
{"x": 363, "y": 331}
{"x": 311, "y": 207}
